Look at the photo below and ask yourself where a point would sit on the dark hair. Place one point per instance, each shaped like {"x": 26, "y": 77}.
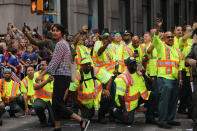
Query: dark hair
{"x": 147, "y": 33}
{"x": 47, "y": 59}
{"x": 1, "y": 49}
{"x": 14, "y": 51}
{"x": 29, "y": 67}
{"x": 184, "y": 27}
{"x": 61, "y": 28}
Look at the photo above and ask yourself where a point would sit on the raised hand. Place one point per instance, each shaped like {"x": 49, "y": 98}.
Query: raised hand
{"x": 194, "y": 26}
{"x": 159, "y": 22}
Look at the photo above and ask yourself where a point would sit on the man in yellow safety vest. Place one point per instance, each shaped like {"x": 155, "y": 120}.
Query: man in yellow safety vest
{"x": 103, "y": 55}
{"x": 89, "y": 87}
{"x": 168, "y": 73}
{"x": 178, "y": 36}
{"x": 10, "y": 93}
{"x": 27, "y": 89}
{"x": 130, "y": 86}
{"x": 136, "y": 50}
{"x": 43, "y": 96}
{"x": 2, "y": 107}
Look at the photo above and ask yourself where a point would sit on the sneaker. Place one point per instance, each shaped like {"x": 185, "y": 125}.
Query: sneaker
{"x": 165, "y": 126}
{"x": 174, "y": 123}
{"x": 87, "y": 123}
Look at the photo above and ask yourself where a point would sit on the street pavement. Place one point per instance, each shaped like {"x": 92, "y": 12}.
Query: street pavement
{"x": 31, "y": 123}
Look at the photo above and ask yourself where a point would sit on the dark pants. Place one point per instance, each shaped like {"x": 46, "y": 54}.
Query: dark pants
{"x": 118, "y": 114}
{"x": 155, "y": 88}
{"x": 61, "y": 83}
{"x": 151, "y": 106}
{"x": 107, "y": 104}
{"x": 40, "y": 106}
{"x": 2, "y": 110}
{"x": 15, "y": 106}
{"x": 20, "y": 102}
{"x": 149, "y": 113}
{"x": 168, "y": 99}
{"x": 87, "y": 113}
{"x": 185, "y": 94}
{"x": 194, "y": 101}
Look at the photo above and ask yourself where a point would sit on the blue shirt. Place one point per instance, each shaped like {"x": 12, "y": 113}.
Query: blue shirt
{"x": 13, "y": 60}
{"x": 32, "y": 57}
{"x": 2, "y": 59}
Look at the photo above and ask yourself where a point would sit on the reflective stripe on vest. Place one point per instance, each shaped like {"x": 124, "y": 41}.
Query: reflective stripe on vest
{"x": 132, "y": 98}
{"x": 96, "y": 91}
{"x": 144, "y": 94}
{"x": 168, "y": 63}
{"x": 25, "y": 82}
{"x": 153, "y": 57}
{"x": 94, "y": 59}
{"x": 146, "y": 45}
{"x": 124, "y": 78}
{"x": 14, "y": 88}
{"x": 2, "y": 87}
{"x": 108, "y": 56}
{"x": 130, "y": 51}
{"x": 141, "y": 50}
{"x": 102, "y": 63}
{"x": 179, "y": 53}
{"x": 79, "y": 57}
{"x": 120, "y": 89}
{"x": 110, "y": 66}
{"x": 168, "y": 69}
{"x": 183, "y": 57}
{"x": 86, "y": 96}
{"x": 41, "y": 93}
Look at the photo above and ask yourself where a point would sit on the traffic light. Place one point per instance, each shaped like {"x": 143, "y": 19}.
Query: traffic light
{"x": 33, "y": 6}
{"x": 39, "y": 6}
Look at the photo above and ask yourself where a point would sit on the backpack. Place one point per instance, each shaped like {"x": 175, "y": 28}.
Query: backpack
{"x": 82, "y": 77}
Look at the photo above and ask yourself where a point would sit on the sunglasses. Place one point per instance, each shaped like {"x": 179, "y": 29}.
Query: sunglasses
{"x": 170, "y": 37}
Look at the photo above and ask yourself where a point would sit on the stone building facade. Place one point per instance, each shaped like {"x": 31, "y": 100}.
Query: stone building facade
{"x": 18, "y": 12}
{"x": 136, "y": 16}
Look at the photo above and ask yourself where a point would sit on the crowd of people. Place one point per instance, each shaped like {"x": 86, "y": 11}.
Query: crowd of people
{"x": 114, "y": 73}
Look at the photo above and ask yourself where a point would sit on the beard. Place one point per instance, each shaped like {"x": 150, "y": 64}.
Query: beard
{"x": 126, "y": 40}
{"x": 7, "y": 78}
